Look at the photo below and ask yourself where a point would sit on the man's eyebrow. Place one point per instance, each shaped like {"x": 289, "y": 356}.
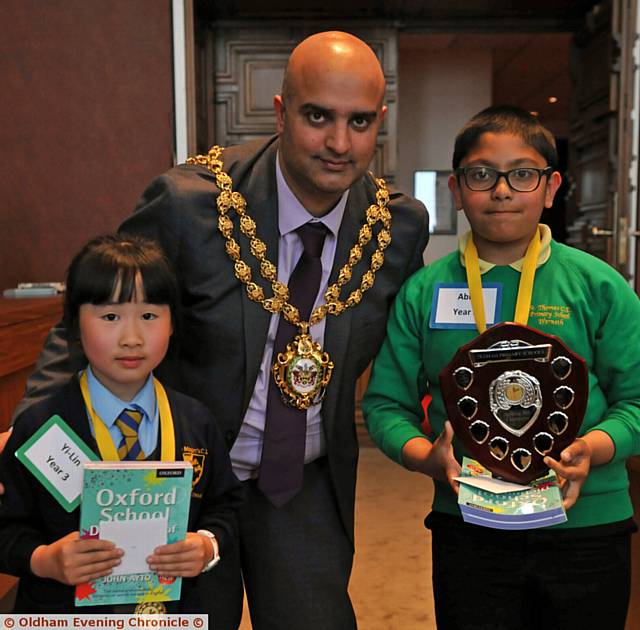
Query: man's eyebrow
{"x": 308, "y": 107}
{"x": 313, "y": 107}
{"x": 367, "y": 115}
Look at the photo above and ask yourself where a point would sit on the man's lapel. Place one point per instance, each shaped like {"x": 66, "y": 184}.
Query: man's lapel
{"x": 336, "y": 336}
{"x": 260, "y": 191}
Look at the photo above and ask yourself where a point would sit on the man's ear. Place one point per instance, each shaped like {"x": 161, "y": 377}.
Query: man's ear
{"x": 454, "y": 187}
{"x": 553, "y": 183}
{"x": 278, "y": 106}
{"x": 383, "y": 112}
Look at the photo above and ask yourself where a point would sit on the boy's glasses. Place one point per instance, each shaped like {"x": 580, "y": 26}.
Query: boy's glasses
{"x": 482, "y": 178}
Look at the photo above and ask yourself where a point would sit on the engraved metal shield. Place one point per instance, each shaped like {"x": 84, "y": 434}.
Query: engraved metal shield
{"x": 514, "y": 395}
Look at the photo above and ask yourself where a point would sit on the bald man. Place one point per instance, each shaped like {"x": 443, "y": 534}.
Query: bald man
{"x": 295, "y": 544}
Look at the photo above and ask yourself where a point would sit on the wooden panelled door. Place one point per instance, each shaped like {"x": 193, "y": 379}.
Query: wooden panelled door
{"x": 244, "y": 64}
{"x": 601, "y": 138}
{"x": 601, "y": 196}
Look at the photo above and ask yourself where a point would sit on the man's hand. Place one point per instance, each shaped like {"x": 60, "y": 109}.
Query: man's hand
{"x": 72, "y": 560}
{"x": 572, "y": 470}
{"x": 185, "y": 558}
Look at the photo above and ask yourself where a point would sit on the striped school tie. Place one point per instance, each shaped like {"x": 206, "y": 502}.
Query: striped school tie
{"x": 129, "y": 422}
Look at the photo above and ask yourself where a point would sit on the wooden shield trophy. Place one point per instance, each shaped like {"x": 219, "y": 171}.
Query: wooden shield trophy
{"x": 513, "y": 396}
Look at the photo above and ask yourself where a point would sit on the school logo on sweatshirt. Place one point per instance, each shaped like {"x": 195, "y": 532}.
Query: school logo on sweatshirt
{"x": 196, "y": 457}
{"x": 549, "y": 314}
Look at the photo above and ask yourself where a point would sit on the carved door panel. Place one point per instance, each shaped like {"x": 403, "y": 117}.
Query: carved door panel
{"x": 246, "y": 66}
{"x": 600, "y": 149}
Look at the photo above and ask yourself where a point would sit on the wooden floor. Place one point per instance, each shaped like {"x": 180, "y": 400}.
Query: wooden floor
{"x": 391, "y": 582}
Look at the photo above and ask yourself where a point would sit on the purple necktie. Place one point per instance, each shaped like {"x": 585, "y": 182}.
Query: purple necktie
{"x": 281, "y": 467}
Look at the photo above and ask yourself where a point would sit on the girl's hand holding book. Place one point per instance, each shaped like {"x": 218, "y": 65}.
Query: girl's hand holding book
{"x": 72, "y": 560}
{"x": 185, "y": 558}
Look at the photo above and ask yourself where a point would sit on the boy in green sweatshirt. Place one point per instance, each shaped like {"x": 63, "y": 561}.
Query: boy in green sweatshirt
{"x": 573, "y": 575}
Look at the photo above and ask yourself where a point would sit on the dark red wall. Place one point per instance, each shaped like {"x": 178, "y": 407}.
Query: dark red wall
{"x": 86, "y": 120}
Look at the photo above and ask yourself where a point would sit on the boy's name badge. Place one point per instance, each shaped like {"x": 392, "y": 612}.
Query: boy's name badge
{"x": 451, "y": 306}
{"x": 55, "y": 455}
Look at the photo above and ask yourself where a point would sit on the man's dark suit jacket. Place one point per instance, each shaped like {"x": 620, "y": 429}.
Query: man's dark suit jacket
{"x": 217, "y": 352}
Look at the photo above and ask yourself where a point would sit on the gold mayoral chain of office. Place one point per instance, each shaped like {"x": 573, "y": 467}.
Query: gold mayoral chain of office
{"x": 303, "y": 371}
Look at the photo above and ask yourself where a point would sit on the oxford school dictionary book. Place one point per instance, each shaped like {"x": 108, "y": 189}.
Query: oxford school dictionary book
{"x": 138, "y": 506}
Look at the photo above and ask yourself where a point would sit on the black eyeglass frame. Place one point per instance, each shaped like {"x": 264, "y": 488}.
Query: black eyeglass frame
{"x": 462, "y": 170}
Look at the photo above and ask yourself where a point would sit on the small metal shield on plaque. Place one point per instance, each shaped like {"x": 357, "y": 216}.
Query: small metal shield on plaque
{"x": 513, "y": 396}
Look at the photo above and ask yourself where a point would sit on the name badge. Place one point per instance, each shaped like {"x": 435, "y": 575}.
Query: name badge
{"x": 451, "y": 306}
{"x": 55, "y": 455}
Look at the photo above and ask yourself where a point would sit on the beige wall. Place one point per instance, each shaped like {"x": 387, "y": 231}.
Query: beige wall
{"x": 439, "y": 90}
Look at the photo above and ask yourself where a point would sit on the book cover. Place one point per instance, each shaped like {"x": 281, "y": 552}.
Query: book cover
{"x": 138, "y": 506}
{"x": 528, "y": 507}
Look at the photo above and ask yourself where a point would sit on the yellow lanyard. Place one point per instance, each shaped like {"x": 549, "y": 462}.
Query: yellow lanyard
{"x": 525, "y": 288}
{"x": 108, "y": 450}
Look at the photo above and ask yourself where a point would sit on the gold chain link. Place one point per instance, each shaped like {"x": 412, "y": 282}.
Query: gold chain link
{"x": 228, "y": 199}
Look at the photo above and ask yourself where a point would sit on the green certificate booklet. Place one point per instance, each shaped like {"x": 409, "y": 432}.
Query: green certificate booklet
{"x": 508, "y": 507}
{"x": 138, "y": 506}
